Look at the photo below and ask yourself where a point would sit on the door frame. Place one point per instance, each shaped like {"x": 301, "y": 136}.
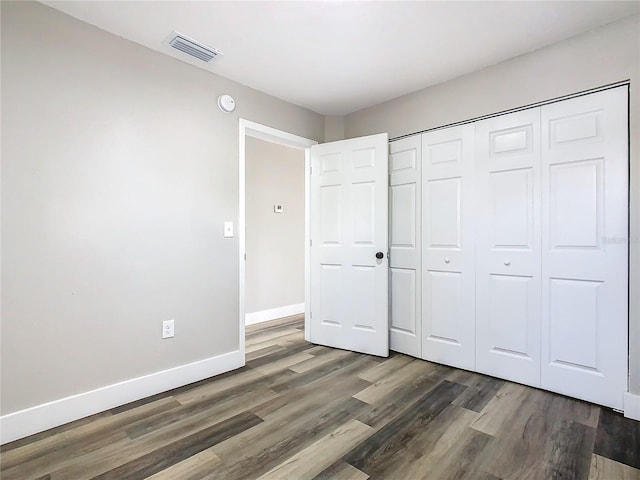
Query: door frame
{"x": 246, "y": 129}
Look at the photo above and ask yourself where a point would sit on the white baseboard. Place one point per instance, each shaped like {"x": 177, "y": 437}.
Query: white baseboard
{"x": 632, "y": 405}
{"x": 48, "y": 415}
{"x": 273, "y": 313}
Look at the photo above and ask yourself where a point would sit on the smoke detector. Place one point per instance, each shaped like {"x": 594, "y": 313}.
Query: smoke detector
{"x": 191, "y": 47}
{"x": 226, "y": 103}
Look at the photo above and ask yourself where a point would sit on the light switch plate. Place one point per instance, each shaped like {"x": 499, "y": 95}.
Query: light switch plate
{"x": 228, "y": 229}
{"x": 278, "y": 208}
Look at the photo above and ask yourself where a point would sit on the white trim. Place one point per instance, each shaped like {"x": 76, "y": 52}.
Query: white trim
{"x": 263, "y": 132}
{"x": 307, "y": 244}
{"x": 248, "y": 128}
{"x": 242, "y": 129}
{"x": 52, "y": 414}
{"x": 273, "y": 313}
{"x": 632, "y": 405}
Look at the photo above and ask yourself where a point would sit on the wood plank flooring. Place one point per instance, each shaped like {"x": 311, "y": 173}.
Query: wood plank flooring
{"x": 299, "y": 411}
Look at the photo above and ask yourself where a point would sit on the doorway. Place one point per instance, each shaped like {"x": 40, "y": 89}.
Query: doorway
{"x": 269, "y": 139}
{"x": 274, "y": 267}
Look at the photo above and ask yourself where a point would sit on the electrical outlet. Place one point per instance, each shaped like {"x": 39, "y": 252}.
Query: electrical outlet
{"x": 167, "y": 329}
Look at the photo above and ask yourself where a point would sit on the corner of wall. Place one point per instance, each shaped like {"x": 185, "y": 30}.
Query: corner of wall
{"x": 333, "y": 128}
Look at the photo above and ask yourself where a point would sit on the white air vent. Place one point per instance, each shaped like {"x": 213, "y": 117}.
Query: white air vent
{"x": 191, "y": 47}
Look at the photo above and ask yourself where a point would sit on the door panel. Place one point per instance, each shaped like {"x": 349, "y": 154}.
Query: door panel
{"x": 331, "y": 213}
{"x": 509, "y": 314}
{"x": 402, "y": 202}
{"x": 403, "y": 302}
{"x": 404, "y": 245}
{"x": 585, "y": 251}
{"x": 512, "y": 208}
{"x": 331, "y": 294}
{"x": 349, "y": 225}
{"x": 444, "y": 207}
{"x": 448, "y": 319}
{"x": 364, "y": 213}
{"x": 362, "y": 309}
{"x": 571, "y": 346}
{"x": 576, "y": 187}
{"x": 444, "y": 307}
{"x": 508, "y": 246}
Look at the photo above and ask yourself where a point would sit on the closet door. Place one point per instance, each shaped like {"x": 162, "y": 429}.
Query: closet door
{"x": 448, "y": 296}
{"x": 405, "y": 157}
{"x": 585, "y": 250}
{"x": 508, "y": 246}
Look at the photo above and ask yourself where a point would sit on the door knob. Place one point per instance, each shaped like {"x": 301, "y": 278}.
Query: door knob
{"x": 507, "y": 263}
{"x": 379, "y": 255}
{"x": 447, "y": 260}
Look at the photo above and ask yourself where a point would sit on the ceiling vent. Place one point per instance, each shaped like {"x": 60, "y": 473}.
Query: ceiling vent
{"x": 191, "y": 47}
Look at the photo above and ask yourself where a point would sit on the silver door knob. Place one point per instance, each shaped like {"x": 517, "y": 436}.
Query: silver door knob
{"x": 447, "y": 260}
{"x": 507, "y": 263}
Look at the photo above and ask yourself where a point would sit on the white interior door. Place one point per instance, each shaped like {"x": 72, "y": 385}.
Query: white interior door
{"x": 349, "y": 243}
{"x": 508, "y": 246}
{"x": 448, "y": 282}
{"x": 405, "y": 295}
{"x": 585, "y": 251}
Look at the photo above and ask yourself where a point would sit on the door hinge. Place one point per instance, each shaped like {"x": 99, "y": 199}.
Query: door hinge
{"x": 245, "y": 256}
{"x": 310, "y": 170}
{"x": 310, "y": 242}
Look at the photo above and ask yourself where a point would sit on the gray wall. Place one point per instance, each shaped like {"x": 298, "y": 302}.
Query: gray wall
{"x": 333, "y": 128}
{"x": 605, "y": 55}
{"x": 118, "y": 171}
{"x": 275, "y": 241}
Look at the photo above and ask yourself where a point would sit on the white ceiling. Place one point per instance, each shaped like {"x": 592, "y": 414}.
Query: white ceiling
{"x": 336, "y": 57}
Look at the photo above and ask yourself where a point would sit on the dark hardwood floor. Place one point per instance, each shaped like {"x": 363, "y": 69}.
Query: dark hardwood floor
{"x": 299, "y": 411}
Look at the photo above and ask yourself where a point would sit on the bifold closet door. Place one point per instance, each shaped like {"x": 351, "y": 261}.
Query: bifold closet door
{"x": 508, "y": 258}
{"x": 585, "y": 251}
{"x": 448, "y": 295}
{"x": 405, "y": 159}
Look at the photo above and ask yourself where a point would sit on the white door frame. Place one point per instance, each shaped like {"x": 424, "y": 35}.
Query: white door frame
{"x": 246, "y": 129}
